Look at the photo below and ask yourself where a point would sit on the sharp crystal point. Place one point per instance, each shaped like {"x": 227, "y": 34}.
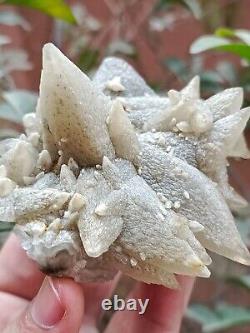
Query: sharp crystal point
{"x": 122, "y": 133}
{"x": 72, "y": 108}
{"x": 227, "y": 131}
{"x": 192, "y": 89}
{"x": 239, "y": 149}
{"x": 225, "y": 103}
{"x": 111, "y": 177}
{"x": 133, "y": 83}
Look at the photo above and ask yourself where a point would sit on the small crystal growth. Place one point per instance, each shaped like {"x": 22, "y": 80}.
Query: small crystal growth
{"x": 111, "y": 177}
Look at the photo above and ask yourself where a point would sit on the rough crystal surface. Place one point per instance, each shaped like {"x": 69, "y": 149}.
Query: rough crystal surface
{"x": 111, "y": 177}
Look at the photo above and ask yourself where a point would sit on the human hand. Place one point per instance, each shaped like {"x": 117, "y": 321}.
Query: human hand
{"x": 31, "y": 302}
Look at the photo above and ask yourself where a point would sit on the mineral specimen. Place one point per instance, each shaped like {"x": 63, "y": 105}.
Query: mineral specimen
{"x": 111, "y": 177}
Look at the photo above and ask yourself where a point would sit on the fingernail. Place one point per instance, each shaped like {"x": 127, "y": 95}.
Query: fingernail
{"x": 47, "y": 309}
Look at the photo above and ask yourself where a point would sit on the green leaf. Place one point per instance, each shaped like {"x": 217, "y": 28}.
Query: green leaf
{"x": 178, "y": 67}
{"x": 88, "y": 59}
{"x": 223, "y": 317}
{"x": 192, "y": 5}
{"x": 241, "y": 50}
{"x": 195, "y": 7}
{"x": 10, "y": 18}
{"x": 201, "y": 313}
{"x": 242, "y": 34}
{"x": 56, "y": 8}
{"x": 6, "y": 226}
{"x": 210, "y": 42}
{"x": 241, "y": 281}
{"x": 224, "y": 32}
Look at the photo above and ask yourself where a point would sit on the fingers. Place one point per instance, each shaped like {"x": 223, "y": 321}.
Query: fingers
{"x": 163, "y": 314}
{"x": 19, "y": 275}
{"x": 10, "y": 306}
{"x": 94, "y": 293}
{"x": 57, "y": 308}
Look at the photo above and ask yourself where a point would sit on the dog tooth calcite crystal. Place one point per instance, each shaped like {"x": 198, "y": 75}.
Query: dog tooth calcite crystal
{"x": 111, "y": 177}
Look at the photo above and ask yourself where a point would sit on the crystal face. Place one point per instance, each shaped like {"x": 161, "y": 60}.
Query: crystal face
{"x": 111, "y": 177}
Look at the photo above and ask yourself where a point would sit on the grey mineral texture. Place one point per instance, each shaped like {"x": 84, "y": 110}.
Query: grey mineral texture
{"x": 110, "y": 177}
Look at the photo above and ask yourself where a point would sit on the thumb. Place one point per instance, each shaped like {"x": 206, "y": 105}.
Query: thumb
{"x": 57, "y": 308}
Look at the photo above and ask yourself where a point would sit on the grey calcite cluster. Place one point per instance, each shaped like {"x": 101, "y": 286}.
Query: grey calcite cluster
{"x": 111, "y": 177}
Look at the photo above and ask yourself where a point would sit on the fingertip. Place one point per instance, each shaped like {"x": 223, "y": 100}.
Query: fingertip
{"x": 58, "y": 306}
{"x": 71, "y": 297}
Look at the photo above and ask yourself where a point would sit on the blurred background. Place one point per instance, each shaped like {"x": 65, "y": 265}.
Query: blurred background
{"x": 168, "y": 42}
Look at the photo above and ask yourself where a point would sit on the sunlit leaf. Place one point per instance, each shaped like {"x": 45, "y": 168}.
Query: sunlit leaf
{"x": 10, "y": 18}
{"x": 225, "y": 32}
{"x": 242, "y": 34}
{"x": 56, "y": 8}
{"x": 207, "y": 42}
{"x": 223, "y": 317}
{"x": 195, "y": 7}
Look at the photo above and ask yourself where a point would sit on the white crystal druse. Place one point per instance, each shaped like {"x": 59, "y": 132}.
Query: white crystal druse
{"x": 111, "y": 177}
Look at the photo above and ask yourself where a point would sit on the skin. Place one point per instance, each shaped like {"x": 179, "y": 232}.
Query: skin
{"x": 32, "y": 302}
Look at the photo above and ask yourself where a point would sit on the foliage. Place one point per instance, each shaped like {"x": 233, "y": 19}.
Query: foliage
{"x": 222, "y": 317}
{"x": 10, "y": 18}
{"x": 193, "y": 5}
{"x": 184, "y": 70}
{"x": 225, "y": 39}
{"x": 243, "y": 225}
{"x": 14, "y": 103}
{"x": 225, "y": 73}
{"x": 56, "y": 8}
{"x": 6, "y": 227}
{"x": 241, "y": 281}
